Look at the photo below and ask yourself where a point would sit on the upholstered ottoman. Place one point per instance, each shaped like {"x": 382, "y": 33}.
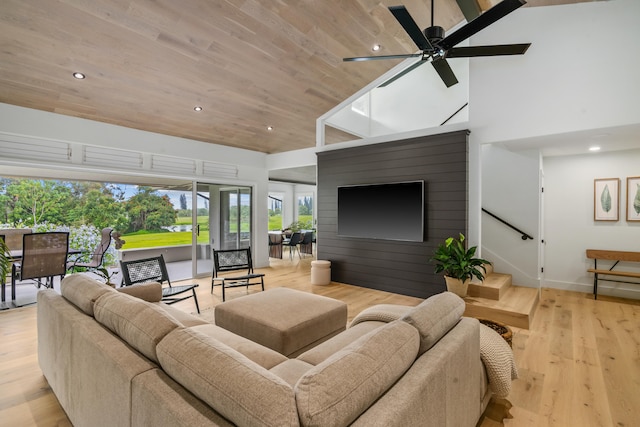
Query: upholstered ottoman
{"x": 285, "y": 320}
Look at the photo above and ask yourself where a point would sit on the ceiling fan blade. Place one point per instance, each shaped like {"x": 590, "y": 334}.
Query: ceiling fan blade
{"x": 445, "y": 72}
{"x": 470, "y": 9}
{"x": 495, "y": 50}
{"x": 402, "y": 73}
{"x": 402, "y": 16}
{"x": 372, "y": 58}
{"x": 497, "y": 12}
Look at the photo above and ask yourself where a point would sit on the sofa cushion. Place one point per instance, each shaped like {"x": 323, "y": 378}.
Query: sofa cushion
{"x": 260, "y": 354}
{"x": 187, "y": 319}
{"x": 434, "y": 317}
{"x": 83, "y": 291}
{"x": 239, "y": 389}
{"x": 291, "y": 370}
{"x": 140, "y": 324}
{"x": 381, "y": 313}
{"x": 150, "y": 292}
{"x": 321, "y": 352}
{"x": 338, "y": 390}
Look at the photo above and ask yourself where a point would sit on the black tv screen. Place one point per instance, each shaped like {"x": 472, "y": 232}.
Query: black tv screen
{"x": 393, "y": 211}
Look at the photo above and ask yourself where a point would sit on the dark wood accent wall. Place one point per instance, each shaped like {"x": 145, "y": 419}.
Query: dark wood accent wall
{"x": 395, "y": 266}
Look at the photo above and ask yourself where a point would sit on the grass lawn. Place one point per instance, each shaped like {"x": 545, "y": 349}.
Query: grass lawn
{"x": 134, "y": 241}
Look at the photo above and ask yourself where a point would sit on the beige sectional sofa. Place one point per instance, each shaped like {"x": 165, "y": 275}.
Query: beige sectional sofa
{"x": 116, "y": 359}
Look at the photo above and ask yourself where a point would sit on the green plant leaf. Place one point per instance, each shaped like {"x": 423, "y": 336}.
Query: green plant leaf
{"x": 5, "y": 260}
{"x": 605, "y": 199}
{"x": 452, "y": 259}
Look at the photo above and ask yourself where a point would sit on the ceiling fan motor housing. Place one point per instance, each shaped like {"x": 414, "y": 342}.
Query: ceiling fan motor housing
{"x": 434, "y": 34}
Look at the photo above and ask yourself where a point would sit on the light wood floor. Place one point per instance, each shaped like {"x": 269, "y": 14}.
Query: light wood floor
{"x": 579, "y": 363}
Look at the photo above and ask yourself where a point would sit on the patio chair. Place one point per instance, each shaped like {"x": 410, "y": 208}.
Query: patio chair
{"x": 234, "y": 260}
{"x": 275, "y": 245}
{"x": 292, "y": 243}
{"x": 96, "y": 257}
{"x": 155, "y": 270}
{"x": 44, "y": 256}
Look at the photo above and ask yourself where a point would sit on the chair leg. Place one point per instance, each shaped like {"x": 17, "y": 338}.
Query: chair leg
{"x": 13, "y": 282}
{"x": 223, "y": 295}
{"x": 195, "y": 297}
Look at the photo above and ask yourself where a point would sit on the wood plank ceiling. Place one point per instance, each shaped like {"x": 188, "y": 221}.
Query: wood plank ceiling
{"x": 249, "y": 64}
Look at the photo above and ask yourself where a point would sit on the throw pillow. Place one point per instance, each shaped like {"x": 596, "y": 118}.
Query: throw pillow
{"x": 434, "y": 317}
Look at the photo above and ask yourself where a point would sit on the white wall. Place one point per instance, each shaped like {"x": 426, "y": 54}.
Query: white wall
{"x": 581, "y": 72}
{"x": 510, "y": 190}
{"x": 569, "y": 225}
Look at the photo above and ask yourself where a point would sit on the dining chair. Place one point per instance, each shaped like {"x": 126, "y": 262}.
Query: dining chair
{"x": 275, "y": 245}
{"x": 155, "y": 270}
{"x": 306, "y": 244}
{"x": 292, "y": 243}
{"x": 96, "y": 257}
{"x": 44, "y": 256}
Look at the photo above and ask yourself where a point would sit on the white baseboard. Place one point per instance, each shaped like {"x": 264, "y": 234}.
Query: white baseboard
{"x": 620, "y": 290}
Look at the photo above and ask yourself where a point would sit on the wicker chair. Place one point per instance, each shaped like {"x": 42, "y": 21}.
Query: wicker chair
{"x": 155, "y": 270}
{"x": 234, "y": 260}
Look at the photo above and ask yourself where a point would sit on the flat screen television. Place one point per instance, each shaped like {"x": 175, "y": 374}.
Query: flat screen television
{"x": 393, "y": 211}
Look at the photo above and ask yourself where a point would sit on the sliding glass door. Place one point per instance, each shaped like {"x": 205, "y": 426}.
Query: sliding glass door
{"x": 235, "y": 217}
{"x": 203, "y": 238}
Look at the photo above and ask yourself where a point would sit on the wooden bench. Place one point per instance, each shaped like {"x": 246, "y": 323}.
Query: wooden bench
{"x": 234, "y": 260}
{"x": 617, "y": 256}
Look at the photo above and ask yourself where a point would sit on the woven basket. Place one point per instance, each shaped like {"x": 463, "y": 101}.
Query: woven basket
{"x": 501, "y": 328}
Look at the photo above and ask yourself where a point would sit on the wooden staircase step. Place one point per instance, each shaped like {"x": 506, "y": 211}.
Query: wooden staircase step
{"x": 516, "y": 307}
{"x": 494, "y": 286}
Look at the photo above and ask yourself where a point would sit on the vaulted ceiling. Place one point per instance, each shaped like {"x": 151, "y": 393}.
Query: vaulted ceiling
{"x": 249, "y": 64}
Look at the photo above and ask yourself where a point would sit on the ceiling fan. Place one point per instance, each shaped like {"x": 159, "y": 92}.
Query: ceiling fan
{"x": 436, "y": 48}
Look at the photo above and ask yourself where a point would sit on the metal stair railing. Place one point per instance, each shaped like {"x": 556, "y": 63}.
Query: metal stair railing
{"x": 524, "y": 236}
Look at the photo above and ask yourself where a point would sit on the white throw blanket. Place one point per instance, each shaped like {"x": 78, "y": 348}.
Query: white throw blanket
{"x": 498, "y": 360}
{"x": 495, "y": 353}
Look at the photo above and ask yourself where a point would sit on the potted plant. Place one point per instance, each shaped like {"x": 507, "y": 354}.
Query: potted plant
{"x": 458, "y": 264}
{"x": 106, "y": 275}
{"x": 5, "y": 260}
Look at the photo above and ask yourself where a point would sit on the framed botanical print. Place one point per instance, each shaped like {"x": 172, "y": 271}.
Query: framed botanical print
{"x": 606, "y": 199}
{"x": 633, "y": 198}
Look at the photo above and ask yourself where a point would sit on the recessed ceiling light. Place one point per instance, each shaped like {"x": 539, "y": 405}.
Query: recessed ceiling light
{"x": 269, "y": 128}
{"x": 197, "y": 108}
{"x": 594, "y": 148}
{"x": 79, "y": 76}
{"x": 376, "y": 47}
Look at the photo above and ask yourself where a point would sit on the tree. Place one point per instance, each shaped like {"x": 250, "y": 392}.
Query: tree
{"x": 149, "y": 211}
{"x": 36, "y": 201}
{"x": 101, "y": 209}
{"x": 183, "y": 202}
